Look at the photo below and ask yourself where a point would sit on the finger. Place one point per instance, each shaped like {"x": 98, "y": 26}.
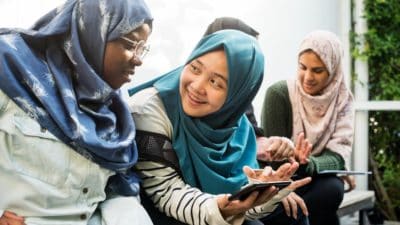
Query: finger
{"x": 299, "y": 183}
{"x": 292, "y": 169}
{"x": 299, "y": 142}
{"x": 286, "y": 206}
{"x": 273, "y": 147}
{"x": 222, "y": 201}
{"x": 291, "y": 159}
{"x": 280, "y": 153}
{"x": 301, "y": 204}
{"x": 266, "y": 195}
{"x": 286, "y": 171}
{"x": 267, "y": 171}
{"x": 249, "y": 172}
{"x": 282, "y": 171}
{"x": 288, "y": 151}
{"x": 250, "y": 201}
{"x": 293, "y": 206}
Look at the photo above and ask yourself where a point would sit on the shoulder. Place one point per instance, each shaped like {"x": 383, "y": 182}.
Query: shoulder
{"x": 143, "y": 100}
{"x": 280, "y": 86}
{"x": 278, "y": 89}
{"x": 149, "y": 113}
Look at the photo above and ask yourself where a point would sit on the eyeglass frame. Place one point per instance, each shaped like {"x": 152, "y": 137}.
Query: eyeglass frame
{"x": 136, "y": 44}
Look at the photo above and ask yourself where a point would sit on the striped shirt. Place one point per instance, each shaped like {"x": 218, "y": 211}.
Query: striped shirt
{"x": 163, "y": 184}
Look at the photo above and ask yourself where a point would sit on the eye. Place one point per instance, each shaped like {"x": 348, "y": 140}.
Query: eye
{"x": 128, "y": 43}
{"x": 217, "y": 83}
{"x": 194, "y": 69}
{"x": 302, "y": 67}
{"x": 129, "y": 47}
{"x": 319, "y": 70}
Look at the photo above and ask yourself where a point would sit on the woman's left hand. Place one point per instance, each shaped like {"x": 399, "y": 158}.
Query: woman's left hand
{"x": 302, "y": 150}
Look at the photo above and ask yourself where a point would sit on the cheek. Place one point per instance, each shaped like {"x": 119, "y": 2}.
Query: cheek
{"x": 300, "y": 75}
{"x": 218, "y": 98}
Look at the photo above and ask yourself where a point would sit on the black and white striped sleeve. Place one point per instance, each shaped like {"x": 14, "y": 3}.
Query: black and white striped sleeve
{"x": 172, "y": 196}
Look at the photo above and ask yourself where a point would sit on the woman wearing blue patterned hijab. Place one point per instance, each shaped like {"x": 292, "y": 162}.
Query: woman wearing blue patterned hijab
{"x": 55, "y": 73}
{"x": 65, "y": 72}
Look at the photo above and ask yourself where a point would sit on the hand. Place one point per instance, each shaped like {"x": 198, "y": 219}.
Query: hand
{"x": 237, "y": 207}
{"x": 291, "y": 203}
{"x": 283, "y": 173}
{"x": 274, "y": 148}
{"x": 302, "y": 150}
{"x": 9, "y": 218}
{"x": 351, "y": 181}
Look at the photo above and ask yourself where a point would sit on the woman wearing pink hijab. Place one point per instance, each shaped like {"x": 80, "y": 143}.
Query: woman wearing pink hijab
{"x": 315, "y": 111}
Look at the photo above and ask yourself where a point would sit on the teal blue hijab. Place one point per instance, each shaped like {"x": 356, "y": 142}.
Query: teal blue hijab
{"x": 213, "y": 149}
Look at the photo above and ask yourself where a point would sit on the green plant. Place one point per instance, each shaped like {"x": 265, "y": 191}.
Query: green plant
{"x": 382, "y": 51}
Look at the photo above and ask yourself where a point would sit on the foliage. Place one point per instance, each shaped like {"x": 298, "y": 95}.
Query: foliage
{"x": 382, "y": 50}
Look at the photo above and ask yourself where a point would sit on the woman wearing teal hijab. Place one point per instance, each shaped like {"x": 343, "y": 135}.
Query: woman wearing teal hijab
{"x": 194, "y": 139}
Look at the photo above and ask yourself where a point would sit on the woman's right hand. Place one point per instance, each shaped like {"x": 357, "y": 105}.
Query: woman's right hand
{"x": 9, "y": 218}
{"x": 274, "y": 148}
{"x": 237, "y": 207}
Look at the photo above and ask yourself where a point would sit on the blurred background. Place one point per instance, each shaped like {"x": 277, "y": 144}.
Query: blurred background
{"x": 179, "y": 25}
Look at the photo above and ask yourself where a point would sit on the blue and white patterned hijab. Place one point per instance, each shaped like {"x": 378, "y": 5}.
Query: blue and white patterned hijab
{"x": 53, "y": 72}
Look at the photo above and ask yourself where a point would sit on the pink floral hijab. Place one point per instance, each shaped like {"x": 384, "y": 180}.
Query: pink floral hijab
{"x": 327, "y": 120}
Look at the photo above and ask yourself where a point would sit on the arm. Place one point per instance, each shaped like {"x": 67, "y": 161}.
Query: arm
{"x": 276, "y": 121}
{"x": 326, "y": 160}
{"x": 172, "y": 196}
{"x": 276, "y": 116}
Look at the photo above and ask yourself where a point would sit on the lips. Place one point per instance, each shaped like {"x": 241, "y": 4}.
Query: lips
{"x": 130, "y": 72}
{"x": 308, "y": 86}
{"x": 194, "y": 99}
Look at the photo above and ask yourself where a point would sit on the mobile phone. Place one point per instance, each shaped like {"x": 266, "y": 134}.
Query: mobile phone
{"x": 246, "y": 191}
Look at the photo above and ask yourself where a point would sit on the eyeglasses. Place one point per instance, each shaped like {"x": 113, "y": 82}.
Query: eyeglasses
{"x": 140, "y": 47}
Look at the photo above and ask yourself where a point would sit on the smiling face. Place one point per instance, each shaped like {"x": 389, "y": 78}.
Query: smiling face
{"x": 204, "y": 84}
{"x": 312, "y": 73}
{"x": 120, "y": 59}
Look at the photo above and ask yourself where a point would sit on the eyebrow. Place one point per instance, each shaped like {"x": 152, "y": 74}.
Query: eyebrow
{"x": 216, "y": 74}
{"x": 318, "y": 67}
{"x": 130, "y": 41}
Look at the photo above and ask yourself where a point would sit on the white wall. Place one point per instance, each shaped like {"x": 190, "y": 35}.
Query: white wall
{"x": 179, "y": 24}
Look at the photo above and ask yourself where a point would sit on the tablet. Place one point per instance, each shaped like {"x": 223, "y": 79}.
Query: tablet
{"x": 246, "y": 191}
{"x": 345, "y": 172}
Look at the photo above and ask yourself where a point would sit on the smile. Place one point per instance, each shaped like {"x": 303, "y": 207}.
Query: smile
{"x": 194, "y": 100}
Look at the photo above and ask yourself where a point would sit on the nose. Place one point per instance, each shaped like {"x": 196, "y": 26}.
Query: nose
{"x": 308, "y": 75}
{"x": 199, "y": 84}
{"x": 135, "y": 60}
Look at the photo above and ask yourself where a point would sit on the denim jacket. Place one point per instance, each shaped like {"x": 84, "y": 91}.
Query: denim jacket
{"x": 41, "y": 178}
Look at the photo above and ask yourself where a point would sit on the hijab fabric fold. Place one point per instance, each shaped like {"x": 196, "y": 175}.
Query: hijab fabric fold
{"x": 213, "y": 149}
{"x": 53, "y": 72}
{"x": 326, "y": 119}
